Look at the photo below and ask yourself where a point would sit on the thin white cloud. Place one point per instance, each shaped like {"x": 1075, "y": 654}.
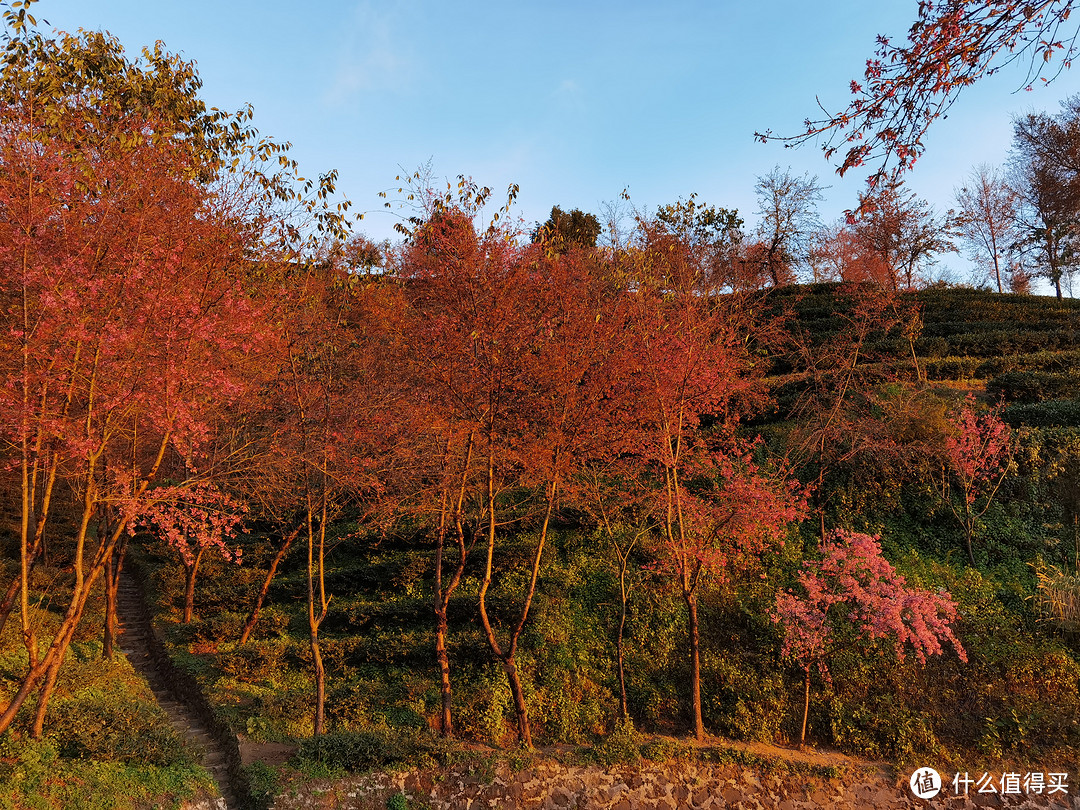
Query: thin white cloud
{"x": 375, "y": 55}
{"x": 568, "y": 87}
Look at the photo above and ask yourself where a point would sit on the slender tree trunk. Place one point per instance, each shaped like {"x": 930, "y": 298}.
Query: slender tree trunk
{"x": 8, "y": 601}
{"x": 485, "y": 583}
{"x": 48, "y": 666}
{"x": 442, "y": 598}
{"x": 524, "y": 729}
{"x": 80, "y": 592}
{"x": 85, "y": 578}
{"x": 920, "y": 375}
{"x": 316, "y": 571}
{"x": 190, "y": 571}
{"x": 112, "y": 584}
{"x": 43, "y": 697}
{"x": 446, "y": 717}
{"x": 623, "y": 598}
{"x": 54, "y": 658}
{"x": 114, "y": 561}
{"x": 695, "y": 664}
{"x": 623, "y": 556}
{"x": 249, "y": 625}
{"x": 442, "y": 605}
{"x": 806, "y": 708}
{"x": 34, "y": 527}
{"x": 506, "y": 658}
{"x": 320, "y": 683}
{"x": 688, "y": 581}
{"x": 29, "y": 681}
{"x": 820, "y": 493}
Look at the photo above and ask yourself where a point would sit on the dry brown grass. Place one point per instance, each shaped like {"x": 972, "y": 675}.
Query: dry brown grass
{"x": 1058, "y": 598}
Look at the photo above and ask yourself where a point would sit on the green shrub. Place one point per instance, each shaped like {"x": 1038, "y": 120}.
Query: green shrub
{"x": 252, "y": 662}
{"x": 483, "y": 711}
{"x": 215, "y": 627}
{"x": 264, "y": 782}
{"x": 114, "y": 727}
{"x": 952, "y": 368}
{"x": 1033, "y": 386}
{"x": 882, "y": 727}
{"x": 376, "y": 748}
{"x": 33, "y": 775}
{"x": 620, "y": 747}
{"x": 273, "y": 623}
{"x": 664, "y": 749}
{"x": 1052, "y": 413}
{"x": 748, "y": 700}
{"x": 1058, "y": 598}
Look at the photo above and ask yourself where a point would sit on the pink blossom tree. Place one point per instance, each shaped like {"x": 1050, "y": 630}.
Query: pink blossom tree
{"x": 853, "y": 585}
{"x": 978, "y": 456}
{"x": 193, "y": 521}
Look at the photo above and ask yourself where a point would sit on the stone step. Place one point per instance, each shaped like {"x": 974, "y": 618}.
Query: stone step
{"x": 134, "y": 642}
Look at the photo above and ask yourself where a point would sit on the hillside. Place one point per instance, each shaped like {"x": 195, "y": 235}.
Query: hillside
{"x": 1016, "y": 697}
{"x": 1015, "y": 702}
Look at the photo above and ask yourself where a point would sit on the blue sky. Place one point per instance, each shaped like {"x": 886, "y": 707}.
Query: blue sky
{"x": 572, "y": 101}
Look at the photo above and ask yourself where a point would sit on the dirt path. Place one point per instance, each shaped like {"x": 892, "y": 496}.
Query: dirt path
{"x": 135, "y": 641}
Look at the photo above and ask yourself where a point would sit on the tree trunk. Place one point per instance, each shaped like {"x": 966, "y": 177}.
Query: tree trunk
{"x": 9, "y": 601}
{"x": 112, "y": 585}
{"x": 190, "y": 571}
{"x": 320, "y": 682}
{"x": 35, "y": 525}
{"x": 85, "y": 578}
{"x": 820, "y": 492}
{"x": 54, "y": 658}
{"x": 249, "y": 625}
{"x": 44, "y": 696}
{"x": 29, "y": 681}
{"x": 806, "y": 708}
{"x": 623, "y": 704}
{"x": 316, "y": 570}
{"x": 505, "y": 658}
{"x": 48, "y": 667}
{"x": 695, "y": 665}
{"x": 524, "y": 731}
{"x": 446, "y": 720}
{"x": 442, "y": 598}
{"x": 114, "y": 561}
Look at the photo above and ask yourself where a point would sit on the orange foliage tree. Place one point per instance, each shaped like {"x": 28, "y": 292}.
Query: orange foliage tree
{"x": 130, "y": 218}
{"x": 715, "y": 507}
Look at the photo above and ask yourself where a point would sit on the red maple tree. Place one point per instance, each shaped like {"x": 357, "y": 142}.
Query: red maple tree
{"x": 123, "y": 279}
{"x": 694, "y": 376}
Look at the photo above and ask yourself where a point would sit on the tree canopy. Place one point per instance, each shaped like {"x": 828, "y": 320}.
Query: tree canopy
{"x": 908, "y": 85}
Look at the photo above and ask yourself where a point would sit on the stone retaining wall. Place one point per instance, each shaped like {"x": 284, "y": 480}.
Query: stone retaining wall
{"x": 670, "y": 786}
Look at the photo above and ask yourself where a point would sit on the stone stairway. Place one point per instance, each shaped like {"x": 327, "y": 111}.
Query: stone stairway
{"x": 136, "y": 643}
